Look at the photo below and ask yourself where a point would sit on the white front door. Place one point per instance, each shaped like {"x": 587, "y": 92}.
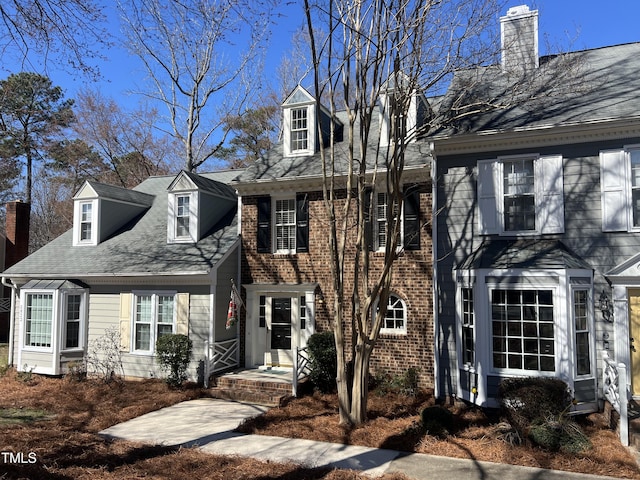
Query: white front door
{"x": 278, "y": 322}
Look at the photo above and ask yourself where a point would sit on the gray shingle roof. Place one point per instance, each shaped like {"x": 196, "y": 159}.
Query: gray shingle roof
{"x": 139, "y": 248}
{"x": 525, "y": 254}
{"x": 277, "y": 166}
{"x": 113, "y": 192}
{"x": 576, "y": 88}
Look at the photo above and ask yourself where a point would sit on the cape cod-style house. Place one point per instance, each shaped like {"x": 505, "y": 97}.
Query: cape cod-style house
{"x": 160, "y": 258}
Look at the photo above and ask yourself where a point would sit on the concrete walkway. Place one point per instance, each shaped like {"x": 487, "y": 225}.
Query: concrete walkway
{"x": 209, "y": 423}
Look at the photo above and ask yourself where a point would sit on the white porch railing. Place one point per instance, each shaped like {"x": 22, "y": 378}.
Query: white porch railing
{"x": 614, "y": 386}
{"x": 300, "y": 368}
{"x": 5, "y": 305}
{"x": 223, "y": 357}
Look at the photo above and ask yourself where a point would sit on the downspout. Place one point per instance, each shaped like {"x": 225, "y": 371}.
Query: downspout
{"x": 12, "y": 317}
{"x": 434, "y": 262}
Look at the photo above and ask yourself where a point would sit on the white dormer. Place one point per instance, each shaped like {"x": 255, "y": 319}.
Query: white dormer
{"x": 195, "y": 205}
{"x": 299, "y": 123}
{"x": 182, "y": 222}
{"x": 100, "y": 210}
{"x": 400, "y": 109}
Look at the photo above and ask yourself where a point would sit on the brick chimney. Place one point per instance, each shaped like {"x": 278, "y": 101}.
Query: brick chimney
{"x": 519, "y": 40}
{"x": 17, "y": 232}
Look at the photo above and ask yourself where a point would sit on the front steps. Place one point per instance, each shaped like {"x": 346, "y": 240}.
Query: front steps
{"x": 263, "y": 387}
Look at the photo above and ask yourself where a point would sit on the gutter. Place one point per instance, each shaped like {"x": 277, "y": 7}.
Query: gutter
{"x": 12, "y": 317}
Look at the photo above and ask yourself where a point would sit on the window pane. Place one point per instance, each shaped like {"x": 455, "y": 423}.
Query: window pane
{"x": 285, "y": 225}
{"x": 527, "y": 336}
{"x": 519, "y": 195}
{"x": 39, "y": 318}
{"x": 299, "y": 130}
{"x": 395, "y": 315}
{"x": 143, "y": 336}
{"x": 182, "y": 216}
{"x": 72, "y": 330}
{"x": 583, "y": 362}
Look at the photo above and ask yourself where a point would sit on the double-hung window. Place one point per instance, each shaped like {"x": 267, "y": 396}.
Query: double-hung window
{"x": 299, "y": 129}
{"x": 86, "y": 221}
{"x": 154, "y": 316}
{"x": 72, "y": 319}
{"x": 521, "y": 195}
{"x": 39, "y": 320}
{"x": 582, "y": 324}
{"x": 183, "y": 218}
{"x": 468, "y": 340}
{"x": 285, "y": 225}
{"x": 381, "y": 217}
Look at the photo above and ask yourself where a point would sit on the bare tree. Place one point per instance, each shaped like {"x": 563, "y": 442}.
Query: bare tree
{"x": 128, "y": 145}
{"x": 198, "y": 54}
{"x": 57, "y": 30}
{"x": 377, "y": 58}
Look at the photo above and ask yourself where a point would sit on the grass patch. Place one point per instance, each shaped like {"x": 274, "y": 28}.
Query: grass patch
{"x": 15, "y": 416}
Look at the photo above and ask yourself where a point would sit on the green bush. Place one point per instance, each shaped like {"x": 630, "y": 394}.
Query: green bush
{"x": 173, "y": 354}
{"x": 322, "y": 361}
{"x": 437, "y": 421}
{"x": 404, "y": 384}
{"x": 524, "y": 400}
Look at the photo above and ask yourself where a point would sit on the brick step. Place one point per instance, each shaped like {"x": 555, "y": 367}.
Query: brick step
{"x": 261, "y": 391}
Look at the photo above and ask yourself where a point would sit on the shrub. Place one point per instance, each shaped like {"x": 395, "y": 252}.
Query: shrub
{"x": 437, "y": 421}
{"x": 524, "y": 400}
{"x": 559, "y": 433}
{"x": 404, "y": 384}
{"x": 322, "y": 361}
{"x": 173, "y": 354}
{"x": 104, "y": 356}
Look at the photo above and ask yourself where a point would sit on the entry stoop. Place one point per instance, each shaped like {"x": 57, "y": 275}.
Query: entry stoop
{"x": 263, "y": 387}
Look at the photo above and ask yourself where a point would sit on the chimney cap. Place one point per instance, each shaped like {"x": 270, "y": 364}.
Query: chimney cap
{"x": 519, "y": 10}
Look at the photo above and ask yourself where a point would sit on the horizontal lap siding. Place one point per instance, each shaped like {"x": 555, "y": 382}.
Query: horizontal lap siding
{"x": 458, "y": 233}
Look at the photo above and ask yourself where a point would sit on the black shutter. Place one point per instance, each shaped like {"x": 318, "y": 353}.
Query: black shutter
{"x": 302, "y": 223}
{"x": 264, "y": 225}
{"x": 412, "y": 218}
{"x": 368, "y": 218}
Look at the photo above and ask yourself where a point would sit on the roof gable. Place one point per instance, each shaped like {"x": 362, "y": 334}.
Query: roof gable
{"x": 299, "y": 95}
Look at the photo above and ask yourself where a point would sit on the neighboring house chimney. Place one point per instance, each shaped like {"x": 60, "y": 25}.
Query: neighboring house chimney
{"x": 519, "y": 40}
{"x": 17, "y": 232}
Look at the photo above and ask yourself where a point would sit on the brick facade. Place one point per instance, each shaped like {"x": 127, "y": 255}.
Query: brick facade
{"x": 412, "y": 281}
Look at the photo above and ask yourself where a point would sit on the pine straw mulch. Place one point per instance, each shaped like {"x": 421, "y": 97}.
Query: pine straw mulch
{"x": 64, "y": 436}
{"x": 394, "y": 423}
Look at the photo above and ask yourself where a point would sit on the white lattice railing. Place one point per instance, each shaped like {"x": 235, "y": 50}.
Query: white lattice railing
{"x": 5, "y": 304}
{"x": 300, "y": 368}
{"x": 223, "y": 357}
{"x": 614, "y": 387}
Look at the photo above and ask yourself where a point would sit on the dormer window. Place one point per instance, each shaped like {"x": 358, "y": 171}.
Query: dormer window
{"x": 299, "y": 129}
{"x": 86, "y": 221}
{"x": 182, "y": 216}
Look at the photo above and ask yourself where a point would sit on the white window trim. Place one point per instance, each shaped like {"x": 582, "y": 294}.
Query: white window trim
{"x": 63, "y": 320}
{"x": 77, "y": 222}
{"x": 193, "y": 218}
{"x": 154, "y": 320}
{"x": 411, "y": 118}
{"x": 274, "y": 237}
{"x": 58, "y": 321}
{"x": 549, "y": 195}
{"x": 311, "y": 130}
{"x": 591, "y": 330}
{"x": 395, "y": 331}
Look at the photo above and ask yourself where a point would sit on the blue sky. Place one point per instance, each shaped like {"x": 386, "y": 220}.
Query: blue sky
{"x": 570, "y": 24}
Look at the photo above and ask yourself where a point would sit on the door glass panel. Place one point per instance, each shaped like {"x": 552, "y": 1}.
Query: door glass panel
{"x": 281, "y": 324}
